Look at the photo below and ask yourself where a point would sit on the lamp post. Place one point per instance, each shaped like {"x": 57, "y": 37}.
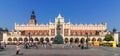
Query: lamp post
{"x": 74, "y": 38}
{"x": 87, "y": 41}
{"x": 29, "y": 37}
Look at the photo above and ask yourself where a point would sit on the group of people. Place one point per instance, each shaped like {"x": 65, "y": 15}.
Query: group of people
{"x": 2, "y": 45}
{"x": 28, "y": 45}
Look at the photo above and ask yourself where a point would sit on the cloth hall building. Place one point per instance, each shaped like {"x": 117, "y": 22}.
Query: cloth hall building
{"x": 47, "y": 32}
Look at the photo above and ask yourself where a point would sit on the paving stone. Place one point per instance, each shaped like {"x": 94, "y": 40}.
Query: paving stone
{"x": 94, "y": 51}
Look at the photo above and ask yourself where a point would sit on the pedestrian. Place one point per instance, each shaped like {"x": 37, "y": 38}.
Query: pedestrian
{"x": 4, "y": 44}
{"x": 17, "y": 49}
{"x": 36, "y": 45}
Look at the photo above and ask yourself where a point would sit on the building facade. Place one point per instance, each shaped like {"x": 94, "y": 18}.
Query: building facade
{"x": 1, "y": 33}
{"x": 46, "y": 32}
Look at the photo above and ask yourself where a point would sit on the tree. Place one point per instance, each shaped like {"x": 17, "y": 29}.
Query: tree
{"x": 108, "y": 37}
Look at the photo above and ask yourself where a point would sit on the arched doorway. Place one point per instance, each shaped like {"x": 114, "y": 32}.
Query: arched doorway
{"x": 41, "y": 40}
{"x": 66, "y": 40}
{"x": 36, "y": 39}
{"x": 52, "y": 39}
{"x": 99, "y": 39}
{"x": 88, "y": 39}
{"x": 77, "y": 40}
{"x": 15, "y": 39}
{"x": 93, "y": 39}
{"x": 71, "y": 40}
{"x": 9, "y": 39}
{"x": 47, "y": 39}
{"x": 82, "y": 40}
{"x": 25, "y": 39}
{"x": 31, "y": 39}
{"x": 20, "y": 39}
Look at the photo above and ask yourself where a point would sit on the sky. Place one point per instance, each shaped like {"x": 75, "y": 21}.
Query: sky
{"x": 78, "y": 11}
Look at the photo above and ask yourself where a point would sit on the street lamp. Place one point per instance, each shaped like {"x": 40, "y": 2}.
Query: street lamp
{"x": 87, "y": 40}
{"x": 74, "y": 37}
{"x": 29, "y": 37}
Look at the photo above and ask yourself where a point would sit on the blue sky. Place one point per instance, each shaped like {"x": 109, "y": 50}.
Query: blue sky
{"x": 78, "y": 11}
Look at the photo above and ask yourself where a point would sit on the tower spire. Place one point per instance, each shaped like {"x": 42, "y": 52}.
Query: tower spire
{"x": 49, "y": 20}
{"x": 59, "y": 16}
{"x": 33, "y": 18}
{"x": 33, "y": 15}
{"x": 69, "y": 20}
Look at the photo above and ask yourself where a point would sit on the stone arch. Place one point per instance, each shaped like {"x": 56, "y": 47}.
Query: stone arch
{"x": 20, "y": 39}
{"x": 76, "y": 40}
{"x": 47, "y": 39}
{"x": 25, "y": 39}
{"x": 9, "y": 39}
{"x": 52, "y": 39}
{"x": 71, "y": 40}
{"x": 66, "y": 40}
{"x": 99, "y": 39}
{"x": 36, "y": 39}
{"x": 41, "y": 40}
{"x": 15, "y": 39}
{"x": 82, "y": 40}
{"x": 88, "y": 39}
{"x": 31, "y": 39}
{"x": 93, "y": 39}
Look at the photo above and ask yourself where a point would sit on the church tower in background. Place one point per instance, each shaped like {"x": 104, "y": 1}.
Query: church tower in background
{"x": 32, "y": 19}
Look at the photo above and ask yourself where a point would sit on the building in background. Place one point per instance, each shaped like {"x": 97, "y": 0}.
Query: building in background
{"x": 72, "y": 33}
{"x": 1, "y": 33}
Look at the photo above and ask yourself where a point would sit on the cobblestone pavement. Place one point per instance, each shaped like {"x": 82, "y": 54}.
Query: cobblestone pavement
{"x": 94, "y": 51}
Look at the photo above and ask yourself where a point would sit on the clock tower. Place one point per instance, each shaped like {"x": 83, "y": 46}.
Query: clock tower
{"x": 33, "y": 19}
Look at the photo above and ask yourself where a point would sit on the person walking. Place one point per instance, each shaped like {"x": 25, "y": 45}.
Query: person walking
{"x": 17, "y": 49}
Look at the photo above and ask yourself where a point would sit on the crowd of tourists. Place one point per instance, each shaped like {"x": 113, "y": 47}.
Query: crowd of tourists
{"x": 28, "y": 45}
